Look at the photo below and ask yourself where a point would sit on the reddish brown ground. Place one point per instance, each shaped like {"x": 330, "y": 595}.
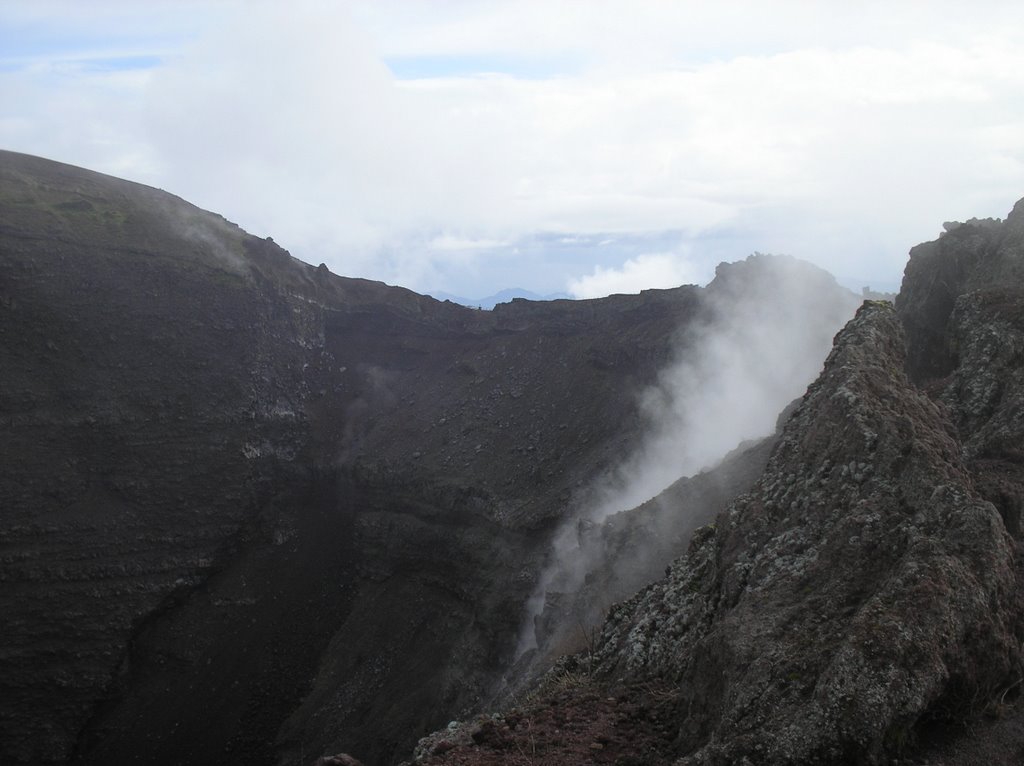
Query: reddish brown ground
{"x": 993, "y": 740}
{"x": 574, "y": 722}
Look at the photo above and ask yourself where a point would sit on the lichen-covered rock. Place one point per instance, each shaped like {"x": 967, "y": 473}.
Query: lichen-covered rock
{"x": 861, "y": 584}
{"x": 986, "y": 395}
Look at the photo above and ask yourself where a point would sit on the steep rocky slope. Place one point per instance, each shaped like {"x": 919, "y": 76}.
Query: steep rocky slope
{"x": 609, "y": 562}
{"x": 251, "y": 511}
{"x": 864, "y": 594}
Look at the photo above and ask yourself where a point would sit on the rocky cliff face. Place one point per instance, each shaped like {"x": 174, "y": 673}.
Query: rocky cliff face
{"x": 862, "y": 585}
{"x": 252, "y": 512}
{"x": 865, "y": 591}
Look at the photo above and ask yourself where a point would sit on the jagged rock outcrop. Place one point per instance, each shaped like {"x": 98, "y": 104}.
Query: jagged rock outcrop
{"x": 860, "y": 586}
{"x": 869, "y": 586}
{"x": 976, "y": 255}
{"x": 252, "y": 512}
{"x": 979, "y": 336}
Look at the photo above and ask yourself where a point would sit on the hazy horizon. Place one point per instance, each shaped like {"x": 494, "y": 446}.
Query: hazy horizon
{"x": 469, "y": 147}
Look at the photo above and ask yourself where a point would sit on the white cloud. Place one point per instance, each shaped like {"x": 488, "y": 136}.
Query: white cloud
{"x": 449, "y": 242}
{"x": 656, "y": 270}
{"x": 625, "y": 34}
{"x": 839, "y": 136}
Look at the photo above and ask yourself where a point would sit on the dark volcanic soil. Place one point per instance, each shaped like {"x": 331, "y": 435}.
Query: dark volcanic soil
{"x": 572, "y": 720}
{"x": 234, "y": 482}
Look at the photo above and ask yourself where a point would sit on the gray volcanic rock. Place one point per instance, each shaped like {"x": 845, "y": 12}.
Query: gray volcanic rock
{"x": 861, "y": 585}
{"x": 870, "y": 581}
{"x": 976, "y": 255}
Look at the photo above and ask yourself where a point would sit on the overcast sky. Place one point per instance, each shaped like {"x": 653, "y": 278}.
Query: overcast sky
{"x": 588, "y": 147}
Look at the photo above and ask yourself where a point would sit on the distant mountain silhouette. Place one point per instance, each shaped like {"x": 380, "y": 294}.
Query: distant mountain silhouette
{"x": 502, "y": 296}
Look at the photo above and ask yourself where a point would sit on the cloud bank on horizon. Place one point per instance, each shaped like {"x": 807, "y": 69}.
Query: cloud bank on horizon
{"x": 590, "y": 147}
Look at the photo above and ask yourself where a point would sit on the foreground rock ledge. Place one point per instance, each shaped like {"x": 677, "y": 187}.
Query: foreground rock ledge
{"x": 862, "y": 587}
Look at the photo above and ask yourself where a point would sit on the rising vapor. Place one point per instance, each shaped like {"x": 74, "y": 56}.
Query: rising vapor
{"x": 764, "y": 331}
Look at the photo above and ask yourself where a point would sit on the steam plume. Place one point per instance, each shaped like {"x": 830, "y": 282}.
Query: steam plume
{"x": 766, "y": 327}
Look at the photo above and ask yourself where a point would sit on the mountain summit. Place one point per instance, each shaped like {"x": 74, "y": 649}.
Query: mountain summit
{"x": 255, "y": 512}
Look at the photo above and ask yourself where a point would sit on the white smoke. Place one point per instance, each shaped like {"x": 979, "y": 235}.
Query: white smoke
{"x": 766, "y": 329}
{"x": 651, "y": 270}
{"x": 763, "y": 342}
